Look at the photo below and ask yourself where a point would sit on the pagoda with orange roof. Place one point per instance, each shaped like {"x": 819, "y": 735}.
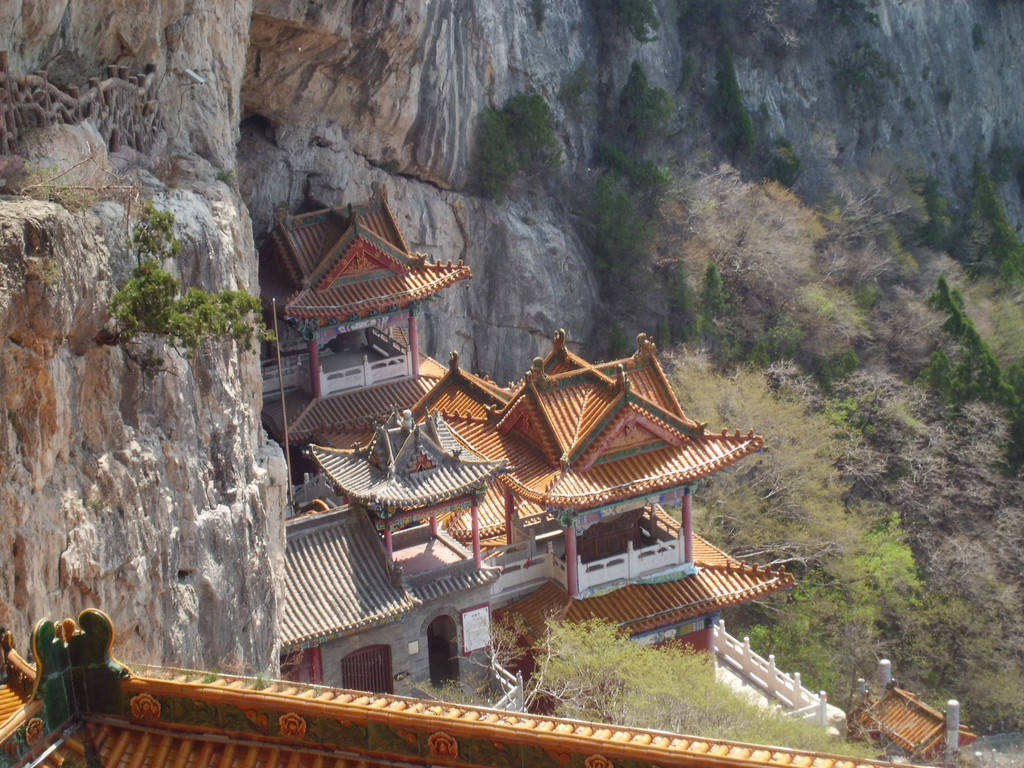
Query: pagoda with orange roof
{"x": 347, "y": 289}
{"x": 593, "y": 451}
{"x": 573, "y": 524}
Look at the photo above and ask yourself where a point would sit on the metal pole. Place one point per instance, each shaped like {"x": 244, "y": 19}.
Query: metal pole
{"x": 284, "y": 405}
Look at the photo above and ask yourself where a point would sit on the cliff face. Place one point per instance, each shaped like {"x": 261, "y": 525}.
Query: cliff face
{"x": 159, "y": 500}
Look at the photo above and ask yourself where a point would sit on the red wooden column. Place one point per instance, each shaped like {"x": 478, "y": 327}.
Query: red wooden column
{"x": 433, "y": 526}
{"x": 387, "y": 543}
{"x": 572, "y": 585}
{"x": 477, "y": 559}
{"x": 414, "y": 342}
{"x": 687, "y": 530}
{"x": 314, "y": 368}
{"x": 510, "y": 510}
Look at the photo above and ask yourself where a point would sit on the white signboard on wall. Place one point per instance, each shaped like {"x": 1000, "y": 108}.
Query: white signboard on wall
{"x": 476, "y": 628}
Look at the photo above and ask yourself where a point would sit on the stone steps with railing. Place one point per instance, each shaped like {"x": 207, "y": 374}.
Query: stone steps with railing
{"x": 786, "y": 690}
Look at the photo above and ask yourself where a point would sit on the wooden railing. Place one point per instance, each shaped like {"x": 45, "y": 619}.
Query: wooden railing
{"x": 121, "y": 107}
{"x": 787, "y": 690}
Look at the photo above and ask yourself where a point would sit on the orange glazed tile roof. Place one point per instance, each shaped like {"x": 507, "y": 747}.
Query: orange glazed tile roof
{"x": 351, "y": 262}
{"x": 900, "y": 717}
{"x": 720, "y": 581}
{"x": 577, "y": 435}
{"x": 365, "y": 297}
{"x": 192, "y": 720}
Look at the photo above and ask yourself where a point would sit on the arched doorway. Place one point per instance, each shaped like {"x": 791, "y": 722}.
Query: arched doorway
{"x": 443, "y": 650}
{"x": 368, "y": 669}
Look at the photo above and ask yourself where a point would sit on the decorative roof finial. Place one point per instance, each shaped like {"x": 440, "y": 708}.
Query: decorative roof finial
{"x": 407, "y": 420}
{"x": 536, "y": 372}
{"x": 622, "y": 380}
{"x": 378, "y": 191}
{"x": 559, "y": 340}
{"x": 453, "y": 361}
{"x": 644, "y": 345}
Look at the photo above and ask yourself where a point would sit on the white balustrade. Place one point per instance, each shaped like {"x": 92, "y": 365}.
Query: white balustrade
{"x": 787, "y": 690}
{"x": 294, "y": 371}
{"x": 363, "y": 375}
{"x": 629, "y": 566}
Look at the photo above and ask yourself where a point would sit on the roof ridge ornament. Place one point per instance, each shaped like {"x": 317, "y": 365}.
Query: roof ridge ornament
{"x": 621, "y": 378}
{"x": 645, "y": 346}
{"x": 558, "y": 342}
{"x": 453, "y": 361}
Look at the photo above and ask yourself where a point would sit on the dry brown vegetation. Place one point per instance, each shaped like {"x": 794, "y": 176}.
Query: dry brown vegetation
{"x": 899, "y": 513}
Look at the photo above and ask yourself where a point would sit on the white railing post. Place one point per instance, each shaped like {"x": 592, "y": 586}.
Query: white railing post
{"x": 746, "y": 654}
{"x": 822, "y": 708}
{"x": 367, "y": 376}
{"x": 773, "y": 680}
{"x": 629, "y": 561}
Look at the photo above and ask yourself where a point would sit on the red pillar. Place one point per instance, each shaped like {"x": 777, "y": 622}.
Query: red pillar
{"x": 509, "y": 512}
{"x": 414, "y": 342}
{"x": 687, "y": 529}
{"x": 476, "y": 536}
{"x": 433, "y": 526}
{"x": 387, "y": 543}
{"x": 314, "y": 368}
{"x": 572, "y": 587}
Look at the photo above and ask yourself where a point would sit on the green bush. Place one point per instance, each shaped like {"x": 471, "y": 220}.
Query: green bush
{"x": 494, "y": 156}
{"x": 934, "y": 230}
{"x": 149, "y": 302}
{"x": 648, "y": 111}
{"x": 784, "y": 164}
{"x": 621, "y": 232}
{"x": 638, "y": 16}
{"x": 518, "y": 136}
{"x": 861, "y": 77}
{"x": 989, "y": 243}
{"x": 644, "y": 174}
{"x": 532, "y": 129}
{"x": 733, "y": 116}
{"x": 574, "y": 88}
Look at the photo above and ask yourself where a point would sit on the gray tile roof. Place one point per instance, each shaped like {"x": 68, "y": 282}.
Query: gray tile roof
{"x": 407, "y": 466}
{"x": 336, "y": 579}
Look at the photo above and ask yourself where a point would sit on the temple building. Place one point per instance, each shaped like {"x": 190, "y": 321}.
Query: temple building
{"x": 77, "y": 705}
{"x": 434, "y": 497}
{"x": 347, "y": 291}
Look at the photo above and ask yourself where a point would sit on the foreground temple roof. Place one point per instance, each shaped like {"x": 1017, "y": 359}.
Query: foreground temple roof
{"x": 352, "y": 262}
{"x": 91, "y": 709}
{"x": 578, "y": 435}
{"x": 720, "y": 581}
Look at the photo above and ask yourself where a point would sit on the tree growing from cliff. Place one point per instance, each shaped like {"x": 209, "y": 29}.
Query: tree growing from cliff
{"x": 739, "y": 128}
{"x": 989, "y": 243}
{"x": 150, "y": 303}
{"x": 520, "y": 135}
{"x": 649, "y": 111}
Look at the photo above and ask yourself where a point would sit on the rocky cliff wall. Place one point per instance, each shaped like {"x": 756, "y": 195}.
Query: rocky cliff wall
{"x": 157, "y": 500}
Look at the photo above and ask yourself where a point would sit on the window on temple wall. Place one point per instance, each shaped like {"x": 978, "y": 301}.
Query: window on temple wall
{"x": 368, "y": 669}
{"x": 302, "y": 666}
{"x": 610, "y": 537}
{"x": 443, "y": 649}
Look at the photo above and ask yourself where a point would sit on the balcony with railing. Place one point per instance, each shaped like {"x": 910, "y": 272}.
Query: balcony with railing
{"x": 382, "y": 358}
